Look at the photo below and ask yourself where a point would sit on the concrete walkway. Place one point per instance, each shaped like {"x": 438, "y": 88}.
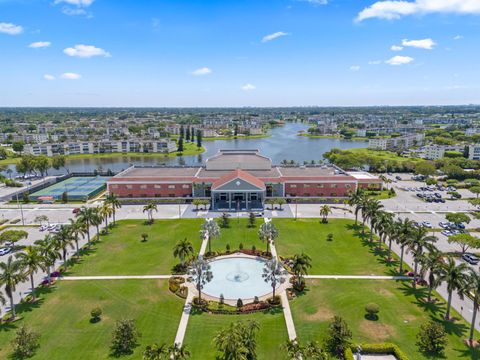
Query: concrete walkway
{"x": 182, "y": 326}
{"x": 287, "y": 314}
{"x": 358, "y": 277}
{"x": 203, "y": 248}
{"x": 115, "y": 277}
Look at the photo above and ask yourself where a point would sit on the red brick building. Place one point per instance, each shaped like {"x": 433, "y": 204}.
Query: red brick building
{"x": 238, "y": 179}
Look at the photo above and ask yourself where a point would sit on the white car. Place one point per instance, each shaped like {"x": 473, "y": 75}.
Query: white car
{"x": 5, "y": 251}
{"x": 427, "y": 224}
{"x": 43, "y": 227}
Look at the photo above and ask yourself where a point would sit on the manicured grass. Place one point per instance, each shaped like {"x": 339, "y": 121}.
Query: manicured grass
{"x": 347, "y": 254}
{"x": 203, "y": 327}
{"x": 62, "y": 317}
{"x": 122, "y": 252}
{"x": 402, "y": 311}
{"x": 239, "y": 232}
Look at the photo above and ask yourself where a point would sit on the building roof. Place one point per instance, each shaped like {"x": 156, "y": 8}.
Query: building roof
{"x": 239, "y": 174}
{"x": 238, "y": 159}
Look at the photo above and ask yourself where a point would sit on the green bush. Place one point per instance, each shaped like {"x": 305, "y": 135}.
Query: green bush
{"x": 372, "y": 311}
{"x": 383, "y": 348}
{"x": 96, "y": 313}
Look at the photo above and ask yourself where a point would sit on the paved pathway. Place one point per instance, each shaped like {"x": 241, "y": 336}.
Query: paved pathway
{"x": 203, "y": 248}
{"x": 115, "y": 277}
{"x": 358, "y": 277}
{"x": 287, "y": 314}
{"x": 182, "y": 326}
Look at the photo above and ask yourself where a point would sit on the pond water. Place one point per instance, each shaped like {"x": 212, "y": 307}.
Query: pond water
{"x": 283, "y": 144}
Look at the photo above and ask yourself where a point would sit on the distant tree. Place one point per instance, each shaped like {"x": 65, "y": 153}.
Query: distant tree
{"x": 325, "y": 210}
{"x": 201, "y": 274}
{"x": 465, "y": 241}
{"x": 432, "y": 337}
{"x": 425, "y": 168}
{"x": 13, "y": 236}
{"x": 458, "y": 218}
{"x": 26, "y": 197}
{"x": 59, "y": 161}
{"x": 251, "y": 220}
{"x": 25, "y": 343}
{"x": 192, "y": 135}
{"x": 199, "y": 138}
{"x": 274, "y": 274}
{"x": 183, "y": 249}
{"x": 372, "y": 311}
{"x": 124, "y": 337}
{"x": 42, "y": 164}
{"x": 64, "y": 197}
{"x": 180, "y": 145}
{"x": 339, "y": 336}
{"x": 182, "y": 131}
{"x": 268, "y": 233}
{"x": 187, "y": 135}
{"x": 18, "y": 146}
{"x": 197, "y": 203}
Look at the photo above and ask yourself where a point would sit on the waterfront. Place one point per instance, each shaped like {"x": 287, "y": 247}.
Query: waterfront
{"x": 283, "y": 144}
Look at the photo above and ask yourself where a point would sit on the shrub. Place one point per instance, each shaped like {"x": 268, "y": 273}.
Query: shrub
{"x": 372, "y": 310}
{"x": 124, "y": 337}
{"x": 240, "y": 246}
{"x": 25, "y": 343}
{"x": 256, "y": 300}
{"x": 330, "y": 237}
{"x": 254, "y": 248}
{"x": 222, "y": 299}
{"x": 144, "y": 237}
{"x": 339, "y": 336}
{"x": 228, "y": 248}
{"x": 432, "y": 337}
{"x": 96, "y": 313}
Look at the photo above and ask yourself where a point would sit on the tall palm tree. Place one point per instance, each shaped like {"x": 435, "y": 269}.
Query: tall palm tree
{"x": 324, "y": 212}
{"x": 473, "y": 286}
{"x": 230, "y": 342}
{"x": 112, "y": 199}
{"x": 78, "y": 229}
{"x": 178, "y": 352}
{"x": 62, "y": 240}
{"x": 11, "y": 273}
{"x": 383, "y": 226}
{"x": 86, "y": 216}
{"x": 432, "y": 263}
{"x": 355, "y": 200}
{"x": 183, "y": 249}
{"x": 97, "y": 220}
{"x": 419, "y": 238}
{"x": 455, "y": 277}
{"x": 371, "y": 211}
{"x": 404, "y": 228}
{"x": 105, "y": 211}
{"x": 268, "y": 233}
{"x": 49, "y": 253}
{"x": 362, "y": 207}
{"x": 31, "y": 260}
{"x": 211, "y": 229}
{"x": 149, "y": 208}
{"x": 300, "y": 264}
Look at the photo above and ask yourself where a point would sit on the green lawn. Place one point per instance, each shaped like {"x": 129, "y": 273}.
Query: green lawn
{"x": 203, "y": 327}
{"x": 238, "y": 232}
{"x": 347, "y": 254}
{"x": 400, "y": 317}
{"x": 123, "y": 253}
{"x": 63, "y": 318}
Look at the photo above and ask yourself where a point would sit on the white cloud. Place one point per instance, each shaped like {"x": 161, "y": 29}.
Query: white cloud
{"x": 70, "y": 76}
{"x": 458, "y": 37}
{"x": 85, "y": 51}
{"x": 40, "y": 44}
{"x": 399, "y": 60}
{"x": 273, "y": 36}
{"x": 10, "y": 29}
{"x": 355, "y": 68}
{"x": 396, "y": 48}
{"x": 49, "y": 77}
{"x": 74, "y": 12}
{"x": 374, "y": 62}
{"x": 202, "y": 71}
{"x": 79, "y": 3}
{"x": 395, "y": 9}
{"x": 420, "y": 44}
{"x": 248, "y": 87}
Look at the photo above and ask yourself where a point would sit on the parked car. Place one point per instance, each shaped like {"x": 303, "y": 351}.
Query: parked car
{"x": 438, "y": 195}
{"x": 51, "y": 227}
{"x": 5, "y": 251}
{"x": 398, "y": 177}
{"x": 43, "y": 227}
{"x": 76, "y": 210}
{"x": 258, "y": 213}
{"x": 471, "y": 259}
{"x": 446, "y": 233}
{"x": 427, "y": 224}
{"x": 443, "y": 224}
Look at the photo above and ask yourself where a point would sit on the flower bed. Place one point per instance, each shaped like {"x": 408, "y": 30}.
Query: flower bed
{"x": 175, "y": 285}
{"x": 214, "y": 307}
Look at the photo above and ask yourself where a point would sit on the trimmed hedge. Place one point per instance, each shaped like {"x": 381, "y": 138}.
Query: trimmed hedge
{"x": 384, "y": 348}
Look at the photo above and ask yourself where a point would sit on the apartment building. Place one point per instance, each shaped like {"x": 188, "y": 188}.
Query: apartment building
{"x": 397, "y": 143}
{"x": 434, "y": 152}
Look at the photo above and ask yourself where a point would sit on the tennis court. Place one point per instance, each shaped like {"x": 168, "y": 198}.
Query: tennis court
{"x": 77, "y": 188}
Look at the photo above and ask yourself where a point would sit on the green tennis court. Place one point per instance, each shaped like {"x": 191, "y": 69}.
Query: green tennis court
{"x": 77, "y": 188}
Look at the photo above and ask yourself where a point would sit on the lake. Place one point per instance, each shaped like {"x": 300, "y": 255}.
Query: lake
{"x": 283, "y": 144}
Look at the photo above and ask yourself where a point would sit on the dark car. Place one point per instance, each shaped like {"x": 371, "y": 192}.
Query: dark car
{"x": 398, "y": 177}
{"x": 438, "y": 195}
{"x": 76, "y": 211}
{"x": 470, "y": 258}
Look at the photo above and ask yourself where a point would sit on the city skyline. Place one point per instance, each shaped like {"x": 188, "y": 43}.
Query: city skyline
{"x": 97, "y": 53}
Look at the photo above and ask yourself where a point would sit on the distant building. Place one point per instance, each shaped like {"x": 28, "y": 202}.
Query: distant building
{"x": 434, "y": 152}
{"x": 474, "y": 152}
{"x": 397, "y": 143}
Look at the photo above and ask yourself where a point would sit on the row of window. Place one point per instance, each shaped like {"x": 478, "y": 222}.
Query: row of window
{"x": 320, "y": 186}
{"x": 156, "y": 186}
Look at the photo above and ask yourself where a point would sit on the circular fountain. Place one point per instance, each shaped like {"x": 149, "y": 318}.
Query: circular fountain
{"x": 237, "y": 277}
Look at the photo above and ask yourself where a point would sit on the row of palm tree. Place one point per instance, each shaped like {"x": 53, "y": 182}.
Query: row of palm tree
{"x": 429, "y": 262}
{"x": 44, "y": 253}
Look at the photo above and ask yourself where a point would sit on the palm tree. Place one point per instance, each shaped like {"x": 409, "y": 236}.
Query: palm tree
{"x": 404, "y": 228}
{"x": 155, "y": 352}
{"x": 392, "y": 232}
{"x": 97, "y": 220}
{"x": 300, "y": 265}
{"x": 431, "y": 262}
{"x": 11, "y": 273}
{"x": 211, "y": 229}
{"x": 274, "y": 273}
{"x": 419, "y": 238}
{"x": 105, "y": 211}
{"x": 268, "y": 233}
{"x": 149, "y": 208}
{"x": 49, "y": 253}
{"x": 473, "y": 286}
{"x": 3, "y": 301}
{"x": 324, "y": 212}
{"x": 78, "y": 229}
{"x": 178, "y": 352}
{"x": 370, "y": 212}
{"x": 293, "y": 349}
{"x": 356, "y": 199}
{"x": 86, "y": 216}
{"x": 230, "y": 342}
{"x": 455, "y": 277}
{"x": 62, "y": 239}
{"x": 115, "y": 204}
{"x": 382, "y": 226}
{"x": 183, "y": 249}
{"x": 31, "y": 260}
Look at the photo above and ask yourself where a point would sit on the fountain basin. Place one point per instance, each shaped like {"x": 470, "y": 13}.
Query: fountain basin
{"x": 237, "y": 277}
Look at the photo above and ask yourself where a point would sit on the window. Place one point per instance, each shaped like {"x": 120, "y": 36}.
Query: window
{"x": 143, "y": 186}
{"x": 114, "y": 186}
{"x": 306, "y": 194}
{"x": 158, "y": 186}
{"x": 186, "y": 186}
{"x": 333, "y": 194}
{"x": 171, "y": 186}
{"x": 129, "y": 187}
{"x": 293, "y": 186}
{"x": 320, "y": 186}
{"x": 306, "y": 186}
{"x": 333, "y": 186}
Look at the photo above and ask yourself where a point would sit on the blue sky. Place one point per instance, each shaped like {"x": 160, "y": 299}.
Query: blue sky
{"x": 239, "y": 53}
